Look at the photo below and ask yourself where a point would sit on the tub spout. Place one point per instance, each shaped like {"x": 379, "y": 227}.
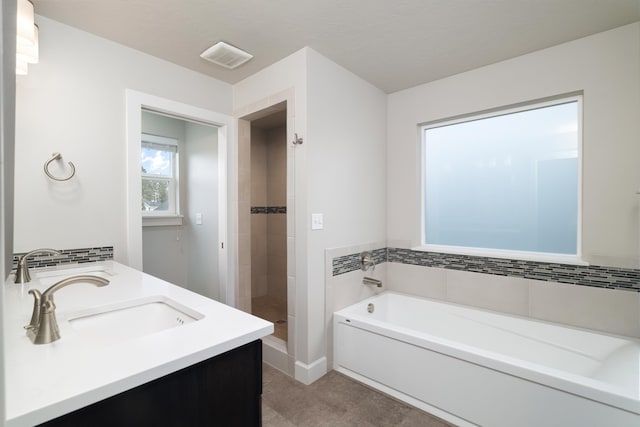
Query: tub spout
{"x": 371, "y": 281}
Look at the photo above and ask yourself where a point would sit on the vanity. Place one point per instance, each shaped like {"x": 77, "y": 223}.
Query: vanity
{"x": 139, "y": 351}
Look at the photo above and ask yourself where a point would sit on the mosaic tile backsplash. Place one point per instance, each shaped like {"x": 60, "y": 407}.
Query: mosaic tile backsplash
{"x": 347, "y": 263}
{"x": 69, "y": 256}
{"x": 268, "y": 209}
{"x": 602, "y": 277}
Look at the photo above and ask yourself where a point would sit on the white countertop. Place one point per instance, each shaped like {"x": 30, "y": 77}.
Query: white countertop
{"x": 49, "y": 380}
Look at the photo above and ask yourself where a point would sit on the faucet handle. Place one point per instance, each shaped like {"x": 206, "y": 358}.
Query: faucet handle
{"x": 34, "y": 323}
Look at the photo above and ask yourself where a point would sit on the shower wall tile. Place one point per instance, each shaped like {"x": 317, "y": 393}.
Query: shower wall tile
{"x": 351, "y": 262}
{"x": 244, "y": 250}
{"x": 499, "y": 293}
{"x": 592, "y": 275}
{"x": 244, "y": 288}
{"x": 601, "y": 298}
{"x": 259, "y": 265}
{"x": 429, "y": 282}
{"x": 244, "y": 143}
{"x": 244, "y": 216}
{"x": 244, "y": 185}
{"x": 259, "y": 168}
{"x": 277, "y": 225}
{"x": 601, "y": 309}
{"x": 258, "y": 225}
{"x": 348, "y": 289}
{"x": 276, "y": 157}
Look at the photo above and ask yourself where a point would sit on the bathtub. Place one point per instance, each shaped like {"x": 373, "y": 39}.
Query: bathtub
{"x": 475, "y": 367}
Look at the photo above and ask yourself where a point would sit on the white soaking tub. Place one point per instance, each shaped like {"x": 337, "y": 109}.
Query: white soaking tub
{"x": 476, "y": 367}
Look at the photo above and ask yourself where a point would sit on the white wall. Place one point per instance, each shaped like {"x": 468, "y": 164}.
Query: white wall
{"x": 73, "y": 102}
{"x": 346, "y": 169}
{"x": 201, "y": 156}
{"x": 339, "y": 171}
{"x": 606, "y": 67}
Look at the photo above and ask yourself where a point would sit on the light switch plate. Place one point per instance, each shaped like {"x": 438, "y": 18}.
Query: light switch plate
{"x": 317, "y": 221}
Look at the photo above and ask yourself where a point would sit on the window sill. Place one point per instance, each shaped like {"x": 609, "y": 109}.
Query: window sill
{"x": 505, "y": 254}
{"x": 159, "y": 221}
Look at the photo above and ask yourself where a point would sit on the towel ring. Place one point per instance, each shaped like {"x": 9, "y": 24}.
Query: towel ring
{"x": 58, "y": 156}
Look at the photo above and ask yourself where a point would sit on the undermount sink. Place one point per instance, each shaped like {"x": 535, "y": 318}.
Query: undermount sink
{"x": 132, "y": 319}
{"x": 49, "y": 277}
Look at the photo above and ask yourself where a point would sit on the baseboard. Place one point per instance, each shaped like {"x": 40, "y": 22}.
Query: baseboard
{"x": 275, "y": 354}
{"x": 308, "y": 374}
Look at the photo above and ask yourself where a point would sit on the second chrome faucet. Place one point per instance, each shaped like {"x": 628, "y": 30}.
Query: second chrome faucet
{"x": 22, "y": 272}
{"x": 43, "y": 328}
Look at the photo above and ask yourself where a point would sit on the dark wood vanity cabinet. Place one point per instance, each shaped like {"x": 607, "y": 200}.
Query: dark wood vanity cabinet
{"x": 222, "y": 391}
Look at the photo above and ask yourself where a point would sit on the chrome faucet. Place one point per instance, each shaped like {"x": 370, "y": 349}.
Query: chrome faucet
{"x": 43, "y": 328}
{"x": 22, "y": 272}
{"x": 366, "y": 262}
{"x": 371, "y": 281}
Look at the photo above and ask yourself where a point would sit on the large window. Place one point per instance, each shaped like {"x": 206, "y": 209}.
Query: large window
{"x": 159, "y": 169}
{"x": 505, "y": 183}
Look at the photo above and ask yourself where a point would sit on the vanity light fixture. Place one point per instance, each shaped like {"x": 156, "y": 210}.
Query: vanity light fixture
{"x": 27, "y": 45}
{"x": 225, "y": 55}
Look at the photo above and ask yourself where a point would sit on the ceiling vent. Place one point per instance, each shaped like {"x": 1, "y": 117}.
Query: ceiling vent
{"x": 226, "y": 55}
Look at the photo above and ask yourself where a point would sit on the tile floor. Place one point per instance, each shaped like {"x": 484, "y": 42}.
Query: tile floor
{"x": 274, "y": 310}
{"x": 334, "y": 400}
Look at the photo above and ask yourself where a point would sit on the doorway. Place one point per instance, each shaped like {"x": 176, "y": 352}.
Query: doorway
{"x": 179, "y": 164}
{"x": 220, "y": 250}
{"x": 268, "y": 152}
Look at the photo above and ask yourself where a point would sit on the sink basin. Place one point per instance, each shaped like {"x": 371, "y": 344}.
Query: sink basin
{"x": 132, "y": 319}
{"x": 49, "y": 277}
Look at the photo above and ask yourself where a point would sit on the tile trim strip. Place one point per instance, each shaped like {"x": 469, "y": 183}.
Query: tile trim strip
{"x": 595, "y": 276}
{"x": 351, "y": 262}
{"x": 268, "y": 209}
{"x": 69, "y": 256}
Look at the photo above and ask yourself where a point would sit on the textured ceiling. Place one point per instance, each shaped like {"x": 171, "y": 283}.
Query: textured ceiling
{"x": 393, "y": 44}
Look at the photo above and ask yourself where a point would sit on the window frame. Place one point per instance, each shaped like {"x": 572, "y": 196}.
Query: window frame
{"x": 501, "y": 253}
{"x": 173, "y": 215}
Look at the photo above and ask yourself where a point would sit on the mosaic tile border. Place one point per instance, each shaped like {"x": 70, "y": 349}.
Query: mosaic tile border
{"x": 592, "y": 275}
{"x": 69, "y": 256}
{"x": 268, "y": 209}
{"x": 351, "y": 262}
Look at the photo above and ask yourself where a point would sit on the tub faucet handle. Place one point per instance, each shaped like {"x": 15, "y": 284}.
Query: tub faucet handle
{"x": 367, "y": 261}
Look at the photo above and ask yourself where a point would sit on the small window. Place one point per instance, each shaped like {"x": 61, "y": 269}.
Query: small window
{"x": 505, "y": 183}
{"x": 159, "y": 170}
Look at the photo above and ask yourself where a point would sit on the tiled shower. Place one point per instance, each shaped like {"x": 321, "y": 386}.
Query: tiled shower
{"x": 269, "y": 221}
